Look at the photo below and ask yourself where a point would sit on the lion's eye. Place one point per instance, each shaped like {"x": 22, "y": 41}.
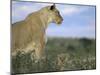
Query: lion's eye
{"x": 57, "y": 12}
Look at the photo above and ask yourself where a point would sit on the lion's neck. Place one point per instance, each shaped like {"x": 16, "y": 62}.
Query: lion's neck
{"x": 46, "y": 20}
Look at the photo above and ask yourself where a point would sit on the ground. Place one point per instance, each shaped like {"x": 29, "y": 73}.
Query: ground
{"x": 63, "y": 54}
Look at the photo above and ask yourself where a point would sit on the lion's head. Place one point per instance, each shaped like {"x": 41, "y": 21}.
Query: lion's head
{"x": 53, "y": 14}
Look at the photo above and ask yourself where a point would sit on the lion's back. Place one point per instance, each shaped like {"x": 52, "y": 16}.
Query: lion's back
{"x": 19, "y": 34}
{"x": 25, "y": 32}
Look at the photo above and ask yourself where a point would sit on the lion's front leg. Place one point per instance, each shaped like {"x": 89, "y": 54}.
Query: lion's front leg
{"x": 39, "y": 53}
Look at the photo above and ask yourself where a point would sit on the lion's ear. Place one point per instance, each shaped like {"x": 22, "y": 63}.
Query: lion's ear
{"x": 52, "y": 7}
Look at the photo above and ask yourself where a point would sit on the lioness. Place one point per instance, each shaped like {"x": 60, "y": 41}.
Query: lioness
{"x": 29, "y": 34}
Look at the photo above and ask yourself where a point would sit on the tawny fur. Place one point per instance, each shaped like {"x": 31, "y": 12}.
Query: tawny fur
{"x": 29, "y": 34}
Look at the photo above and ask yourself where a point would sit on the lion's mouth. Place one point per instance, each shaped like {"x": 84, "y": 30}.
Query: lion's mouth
{"x": 59, "y": 22}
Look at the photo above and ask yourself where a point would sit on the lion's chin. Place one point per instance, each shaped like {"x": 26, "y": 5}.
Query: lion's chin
{"x": 59, "y": 22}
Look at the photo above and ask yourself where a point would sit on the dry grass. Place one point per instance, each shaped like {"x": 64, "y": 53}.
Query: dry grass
{"x": 62, "y": 55}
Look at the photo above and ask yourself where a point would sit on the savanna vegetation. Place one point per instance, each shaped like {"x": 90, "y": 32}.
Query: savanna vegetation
{"x": 63, "y": 54}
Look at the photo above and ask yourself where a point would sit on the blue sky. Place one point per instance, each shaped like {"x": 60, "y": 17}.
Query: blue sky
{"x": 79, "y": 21}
